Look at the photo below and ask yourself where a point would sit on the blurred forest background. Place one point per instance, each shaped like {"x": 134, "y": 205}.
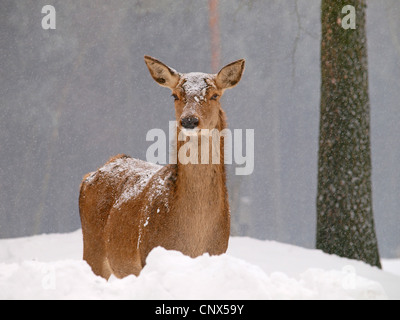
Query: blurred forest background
{"x": 72, "y": 97}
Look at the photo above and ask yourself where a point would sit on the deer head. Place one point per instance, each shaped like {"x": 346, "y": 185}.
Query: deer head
{"x": 197, "y": 95}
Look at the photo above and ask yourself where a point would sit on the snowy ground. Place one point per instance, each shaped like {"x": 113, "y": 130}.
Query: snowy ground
{"x": 50, "y": 267}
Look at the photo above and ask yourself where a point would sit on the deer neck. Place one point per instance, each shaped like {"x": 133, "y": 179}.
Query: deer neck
{"x": 206, "y": 170}
{"x": 203, "y": 183}
{"x": 198, "y": 218}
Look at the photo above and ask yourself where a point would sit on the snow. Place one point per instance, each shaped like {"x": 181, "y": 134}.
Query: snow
{"x": 50, "y": 267}
{"x": 129, "y": 167}
{"x": 392, "y": 265}
{"x": 195, "y": 85}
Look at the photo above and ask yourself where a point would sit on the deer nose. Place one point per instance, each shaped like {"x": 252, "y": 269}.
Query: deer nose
{"x": 190, "y": 122}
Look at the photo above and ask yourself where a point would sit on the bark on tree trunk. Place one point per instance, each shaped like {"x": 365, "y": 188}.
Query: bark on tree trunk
{"x": 345, "y": 224}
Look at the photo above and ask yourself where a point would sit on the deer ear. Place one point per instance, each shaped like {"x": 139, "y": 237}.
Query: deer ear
{"x": 161, "y": 73}
{"x": 230, "y": 75}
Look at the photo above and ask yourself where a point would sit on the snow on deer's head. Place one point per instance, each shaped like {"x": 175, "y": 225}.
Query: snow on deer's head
{"x": 197, "y": 95}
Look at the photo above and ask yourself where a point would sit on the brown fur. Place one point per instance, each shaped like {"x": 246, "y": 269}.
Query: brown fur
{"x": 128, "y": 207}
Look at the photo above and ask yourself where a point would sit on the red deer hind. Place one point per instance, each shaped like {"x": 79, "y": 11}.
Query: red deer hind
{"x": 128, "y": 206}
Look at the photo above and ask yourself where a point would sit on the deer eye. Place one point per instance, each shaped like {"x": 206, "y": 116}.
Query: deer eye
{"x": 175, "y": 97}
{"x": 215, "y": 97}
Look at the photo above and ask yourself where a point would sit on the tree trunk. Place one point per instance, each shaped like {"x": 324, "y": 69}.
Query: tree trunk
{"x": 345, "y": 224}
{"x": 214, "y": 35}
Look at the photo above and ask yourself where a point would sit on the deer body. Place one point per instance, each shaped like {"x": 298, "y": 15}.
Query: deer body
{"x": 128, "y": 206}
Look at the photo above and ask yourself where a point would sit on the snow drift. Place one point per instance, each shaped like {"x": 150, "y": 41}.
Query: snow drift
{"x": 50, "y": 267}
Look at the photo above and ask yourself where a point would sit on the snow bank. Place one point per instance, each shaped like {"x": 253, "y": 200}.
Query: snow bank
{"x": 391, "y": 265}
{"x": 50, "y": 267}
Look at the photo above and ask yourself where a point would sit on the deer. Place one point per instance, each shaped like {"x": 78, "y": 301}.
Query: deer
{"x": 128, "y": 207}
